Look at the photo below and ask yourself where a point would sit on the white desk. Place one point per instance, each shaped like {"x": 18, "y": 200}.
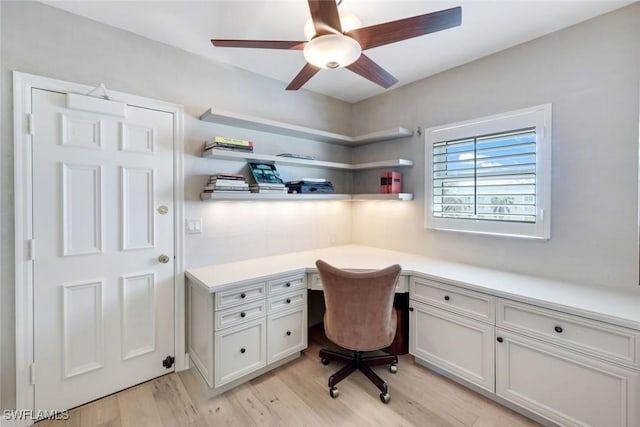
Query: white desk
{"x": 551, "y": 335}
{"x": 609, "y": 305}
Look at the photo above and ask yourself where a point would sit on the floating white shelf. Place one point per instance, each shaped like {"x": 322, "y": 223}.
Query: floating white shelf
{"x": 252, "y": 157}
{"x": 393, "y": 196}
{"x": 298, "y": 197}
{"x": 280, "y": 128}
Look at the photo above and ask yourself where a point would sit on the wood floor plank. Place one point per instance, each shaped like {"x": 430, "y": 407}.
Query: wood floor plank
{"x": 173, "y": 402}
{"x": 138, "y": 406}
{"x": 296, "y": 394}
{"x": 244, "y": 399}
{"x": 284, "y": 401}
{"x": 308, "y": 378}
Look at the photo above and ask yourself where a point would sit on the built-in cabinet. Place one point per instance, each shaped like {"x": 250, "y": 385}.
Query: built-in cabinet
{"x": 239, "y": 333}
{"x": 256, "y": 123}
{"x": 570, "y": 370}
{"x": 453, "y": 328}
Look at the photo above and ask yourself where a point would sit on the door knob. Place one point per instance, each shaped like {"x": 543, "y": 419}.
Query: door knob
{"x": 163, "y": 258}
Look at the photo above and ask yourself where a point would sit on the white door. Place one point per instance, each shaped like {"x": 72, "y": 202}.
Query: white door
{"x": 102, "y": 217}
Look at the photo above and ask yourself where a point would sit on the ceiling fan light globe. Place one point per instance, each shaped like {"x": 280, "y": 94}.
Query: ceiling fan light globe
{"x": 348, "y": 20}
{"x": 332, "y": 51}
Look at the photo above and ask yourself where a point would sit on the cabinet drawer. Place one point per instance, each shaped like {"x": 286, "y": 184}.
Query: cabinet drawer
{"x": 286, "y": 284}
{"x": 315, "y": 283}
{"x": 240, "y": 351}
{"x": 240, "y": 295}
{"x": 597, "y": 338}
{"x": 287, "y": 333}
{"x": 287, "y": 301}
{"x": 240, "y": 314}
{"x": 457, "y": 344}
{"x": 563, "y": 386}
{"x": 453, "y": 298}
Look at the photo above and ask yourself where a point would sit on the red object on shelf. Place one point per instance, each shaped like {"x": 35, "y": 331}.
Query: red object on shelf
{"x": 391, "y": 182}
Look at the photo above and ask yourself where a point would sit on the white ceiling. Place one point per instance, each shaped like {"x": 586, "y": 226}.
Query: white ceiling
{"x": 487, "y": 27}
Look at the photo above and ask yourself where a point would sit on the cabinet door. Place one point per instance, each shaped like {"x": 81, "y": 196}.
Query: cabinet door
{"x": 239, "y": 351}
{"x": 287, "y": 333}
{"x": 456, "y": 344}
{"x": 563, "y": 386}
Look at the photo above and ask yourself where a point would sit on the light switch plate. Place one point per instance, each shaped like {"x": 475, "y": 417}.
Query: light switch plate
{"x": 194, "y": 226}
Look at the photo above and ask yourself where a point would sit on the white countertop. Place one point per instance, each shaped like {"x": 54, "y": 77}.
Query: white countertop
{"x": 607, "y": 304}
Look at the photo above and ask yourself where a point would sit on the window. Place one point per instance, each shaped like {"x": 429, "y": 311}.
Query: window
{"x": 491, "y": 175}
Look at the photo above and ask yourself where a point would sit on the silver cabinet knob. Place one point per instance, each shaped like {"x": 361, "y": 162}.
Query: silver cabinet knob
{"x": 163, "y": 258}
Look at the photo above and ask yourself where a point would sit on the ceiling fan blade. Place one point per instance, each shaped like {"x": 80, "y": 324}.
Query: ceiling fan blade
{"x": 324, "y": 14}
{"x": 368, "y": 69}
{"x": 303, "y": 76}
{"x": 260, "y": 44}
{"x": 403, "y": 29}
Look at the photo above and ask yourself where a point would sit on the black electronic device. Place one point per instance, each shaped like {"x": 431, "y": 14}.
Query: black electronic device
{"x": 306, "y": 187}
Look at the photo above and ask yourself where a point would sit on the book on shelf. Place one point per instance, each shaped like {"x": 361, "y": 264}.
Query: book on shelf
{"x": 226, "y": 187}
{"x": 227, "y": 141}
{"x": 391, "y": 182}
{"x": 226, "y": 182}
{"x": 228, "y": 191}
{"x": 228, "y": 176}
{"x": 228, "y": 148}
{"x": 265, "y": 173}
{"x": 268, "y": 188}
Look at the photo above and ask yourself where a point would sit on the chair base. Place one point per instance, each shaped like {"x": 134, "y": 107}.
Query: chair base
{"x": 359, "y": 362}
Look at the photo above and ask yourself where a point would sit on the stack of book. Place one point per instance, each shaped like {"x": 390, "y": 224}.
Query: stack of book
{"x": 224, "y": 143}
{"x": 226, "y": 183}
{"x": 267, "y": 179}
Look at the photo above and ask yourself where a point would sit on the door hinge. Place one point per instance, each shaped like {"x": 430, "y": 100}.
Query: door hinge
{"x": 30, "y": 124}
{"x": 32, "y": 373}
{"x": 32, "y": 249}
{"x": 168, "y": 362}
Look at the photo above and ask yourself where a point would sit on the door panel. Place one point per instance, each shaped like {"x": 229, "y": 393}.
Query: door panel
{"x": 565, "y": 387}
{"x": 103, "y": 302}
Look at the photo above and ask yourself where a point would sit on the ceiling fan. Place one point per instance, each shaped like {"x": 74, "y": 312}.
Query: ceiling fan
{"x": 335, "y": 41}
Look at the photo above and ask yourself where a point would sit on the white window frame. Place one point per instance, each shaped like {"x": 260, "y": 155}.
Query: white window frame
{"x": 538, "y": 117}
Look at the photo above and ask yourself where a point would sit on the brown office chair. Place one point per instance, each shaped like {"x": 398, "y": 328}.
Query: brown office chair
{"x": 359, "y": 316}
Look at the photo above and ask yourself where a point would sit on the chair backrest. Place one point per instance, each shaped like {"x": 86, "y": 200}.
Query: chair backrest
{"x": 359, "y": 311}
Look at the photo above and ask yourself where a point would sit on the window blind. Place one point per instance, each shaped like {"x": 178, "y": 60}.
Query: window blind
{"x": 489, "y": 177}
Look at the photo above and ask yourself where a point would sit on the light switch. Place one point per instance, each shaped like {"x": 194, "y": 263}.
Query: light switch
{"x": 194, "y": 226}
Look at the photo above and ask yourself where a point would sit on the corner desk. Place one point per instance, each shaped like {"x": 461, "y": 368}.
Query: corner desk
{"x": 561, "y": 353}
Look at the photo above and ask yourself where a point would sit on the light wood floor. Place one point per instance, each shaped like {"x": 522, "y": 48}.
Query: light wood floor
{"x": 296, "y": 395}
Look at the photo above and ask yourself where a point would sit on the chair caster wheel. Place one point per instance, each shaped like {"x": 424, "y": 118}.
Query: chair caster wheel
{"x": 325, "y": 361}
{"x": 334, "y": 392}
{"x": 393, "y": 368}
{"x": 385, "y": 398}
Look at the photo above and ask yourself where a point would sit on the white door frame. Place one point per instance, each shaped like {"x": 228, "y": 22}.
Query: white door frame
{"x": 23, "y": 194}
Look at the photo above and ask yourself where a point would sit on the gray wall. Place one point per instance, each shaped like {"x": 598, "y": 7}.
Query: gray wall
{"x": 590, "y": 73}
{"x": 42, "y": 40}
